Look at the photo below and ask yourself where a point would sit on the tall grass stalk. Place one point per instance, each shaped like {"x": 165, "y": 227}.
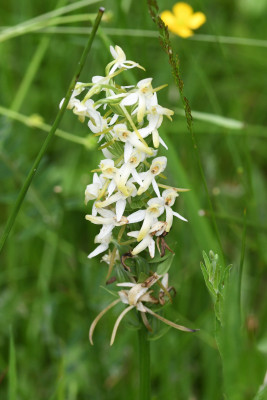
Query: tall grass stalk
{"x": 12, "y": 373}
{"x": 231, "y": 40}
{"x": 144, "y": 364}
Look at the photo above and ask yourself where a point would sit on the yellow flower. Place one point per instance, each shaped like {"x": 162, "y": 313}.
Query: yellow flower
{"x": 183, "y": 19}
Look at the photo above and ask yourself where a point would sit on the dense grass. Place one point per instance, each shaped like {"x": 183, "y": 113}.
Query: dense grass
{"x": 50, "y": 290}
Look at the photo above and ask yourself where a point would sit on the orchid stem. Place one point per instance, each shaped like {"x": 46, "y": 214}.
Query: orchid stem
{"x": 50, "y": 136}
{"x": 144, "y": 364}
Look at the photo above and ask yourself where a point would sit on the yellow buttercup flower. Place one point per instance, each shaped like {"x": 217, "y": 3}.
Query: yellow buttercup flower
{"x": 183, "y": 19}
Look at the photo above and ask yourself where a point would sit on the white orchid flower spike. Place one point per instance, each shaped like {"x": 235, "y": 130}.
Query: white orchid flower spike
{"x": 126, "y": 120}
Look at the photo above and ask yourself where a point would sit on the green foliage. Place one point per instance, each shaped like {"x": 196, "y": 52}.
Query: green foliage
{"x": 216, "y": 278}
{"x": 164, "y": 266}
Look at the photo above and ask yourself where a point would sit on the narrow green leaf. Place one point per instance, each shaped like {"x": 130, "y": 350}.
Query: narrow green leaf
{"x": 207, "y": 264}
{"x": 12, "y": 373}
{"x": 207, "y": 281}
{"x": 164, "y": 267}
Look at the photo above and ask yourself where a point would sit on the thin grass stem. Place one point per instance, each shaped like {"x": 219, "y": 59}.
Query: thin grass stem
{"x": 12, "y": 373}
{"x": 241, "y": 265}
{"x": 144, "y": 364}
{"x": 154, "y": 34}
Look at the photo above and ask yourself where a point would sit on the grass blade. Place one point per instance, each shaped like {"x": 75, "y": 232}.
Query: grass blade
{"x": 12, "y": 373}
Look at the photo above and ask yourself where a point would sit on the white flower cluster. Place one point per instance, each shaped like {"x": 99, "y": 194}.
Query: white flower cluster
{"x": 123, "y": 117}
{"x": 126, "y": 188}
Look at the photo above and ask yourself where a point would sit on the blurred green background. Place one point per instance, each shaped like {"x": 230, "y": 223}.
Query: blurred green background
{"x": 49, "y": 289}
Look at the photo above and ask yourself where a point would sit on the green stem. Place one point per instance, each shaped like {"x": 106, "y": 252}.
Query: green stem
{"x": 144, "y": 364}
{"x": 49, "y": 137}
{"x": 243, "y": 249}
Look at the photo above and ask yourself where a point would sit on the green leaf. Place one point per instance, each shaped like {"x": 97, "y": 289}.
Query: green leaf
{"x": 164, "y": 267}
{"x": 158, "y": 259}
{"x": 207, "y": 263}
{"x": 12, "y": 374}
{"x": 142, "y": 277}
{"x": 142, "y": 266}
{"x": 207, "y": 281}
{"x": 159, "y": 333}
{"x": 262, "y": 393}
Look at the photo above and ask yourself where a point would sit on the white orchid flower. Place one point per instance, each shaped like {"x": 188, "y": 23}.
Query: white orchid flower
{"x": 79, "y": 87}
{"x": 109, "y": 220}
{"x": 142, "y": 96}
{"x": 120, "y": 199}
{"x": 130, "y": 139}
{"x": 148, "y": 216}
{"x": 154, "y": 210}
{"x": 103, "y": 241}
{"x": 107, "y": 217}
{"x": 107, "y": 153}
{"x": 85, "y": 109}
{"x": 157, "y": 167}
{"x": 127, "y": 169}
{"x": 148, "y": 242}
{"x": 155, "y": 115}
{"x": 109, "y": 171}
{"x": 120, "y": 60}
{"x": 138, "y": 294}
{"x": 97, "y": 124}
{"x": 169, "y": 197}
{"x": 92, "y": 191}
{"x": 107, "y": 258}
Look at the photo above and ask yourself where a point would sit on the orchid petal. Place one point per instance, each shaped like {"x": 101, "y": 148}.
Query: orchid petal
{"x": 120, "y": 207}
{"x": 169, "y": 218}
{"x": 98, "y": 250}
{"x": 133, "y": 234}
{"x": 136, "y": 177}
{"x": 146, "y": 226}
{"x": 117, "y": 323}
{"x": 129, "y": 100}
{"x": 151, "y": 248}
{"x": 105, "y": 231}
{"x": 137, "y": 216}
{"x": 170, "y": 323}
{"x": 155, "y": 187}
{"x": 128, "y": 149}
{"x": 179, "y": 216}
{"x": 111, "y": 187}
{"x": 142, "y": 245}
{"x": 163, "y": 143}
{"x": 99, "y": 316}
